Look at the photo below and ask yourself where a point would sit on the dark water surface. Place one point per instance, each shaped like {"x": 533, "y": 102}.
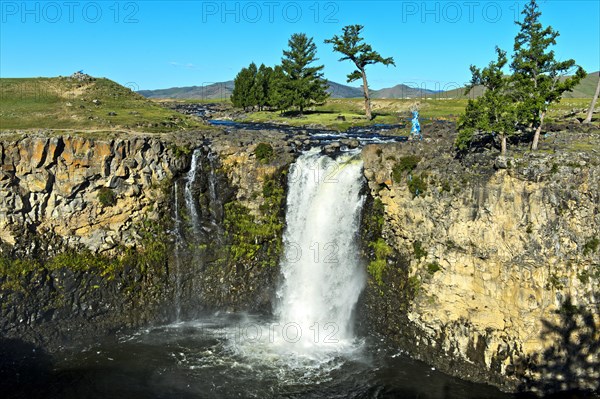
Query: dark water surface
{"x": 222, "y": 357}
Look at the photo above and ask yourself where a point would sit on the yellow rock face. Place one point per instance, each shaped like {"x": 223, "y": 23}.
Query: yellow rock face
{"x": 510, "y": 251}
{"x": 52, "y": 183}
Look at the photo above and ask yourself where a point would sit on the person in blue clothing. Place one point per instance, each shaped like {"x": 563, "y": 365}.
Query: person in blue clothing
{"x": 416, "y": 126}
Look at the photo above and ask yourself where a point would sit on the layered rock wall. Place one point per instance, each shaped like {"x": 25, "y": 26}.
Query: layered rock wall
{"x": 502, "y": 264}
{"x": 90, "y": 192}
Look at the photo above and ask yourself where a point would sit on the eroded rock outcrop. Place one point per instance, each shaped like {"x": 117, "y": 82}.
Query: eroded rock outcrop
{"x": 97, "y": 234}
{"x": 84, "y": 240}
{"x": 497, "y": 271}
{"x": 89, "y": 192}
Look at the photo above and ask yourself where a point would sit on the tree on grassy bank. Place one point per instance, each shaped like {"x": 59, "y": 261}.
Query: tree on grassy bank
{"x": 252, "y": 87}
{"x": 538, "y": 79}
{"x": 361, "y": 54}
{"x": 493, "y": 111}
{"x": 294, "y": 83}
{"x": 303, "y": 83}
{"x": 243, "y": 95}
{"x": 522, "y": 100}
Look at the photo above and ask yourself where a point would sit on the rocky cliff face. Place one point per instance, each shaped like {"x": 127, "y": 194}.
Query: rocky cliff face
{"x": 98, "y": 234}
{"x": 496, "y": 272}
{"x": 87, "y": 192}
{"x": 83, "y": 227}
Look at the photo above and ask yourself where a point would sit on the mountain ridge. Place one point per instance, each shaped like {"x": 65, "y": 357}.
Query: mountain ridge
{"x": 222, "y": 90}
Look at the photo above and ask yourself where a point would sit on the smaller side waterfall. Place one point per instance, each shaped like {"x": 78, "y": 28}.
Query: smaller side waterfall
{"x": 215, "y": 204}
{"x": 190, "y": 202}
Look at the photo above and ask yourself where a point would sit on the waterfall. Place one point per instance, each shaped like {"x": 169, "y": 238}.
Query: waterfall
{"x": 190, "y": 202}
{"x": 322, "y": 272}
{"x": 178, "y": 240}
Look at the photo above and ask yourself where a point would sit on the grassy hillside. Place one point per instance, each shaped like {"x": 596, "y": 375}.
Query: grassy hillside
{"x": 585, "y": 89}
{"x": 386, "y": 111}
{"x": 65, "y": 103}
{"x": 397, "y": 111}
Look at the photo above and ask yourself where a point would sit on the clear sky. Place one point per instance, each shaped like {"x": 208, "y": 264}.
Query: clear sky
{"x": 160, "y": 44}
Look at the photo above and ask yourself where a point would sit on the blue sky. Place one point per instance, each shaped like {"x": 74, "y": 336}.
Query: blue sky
{"x": 160, "y": 44}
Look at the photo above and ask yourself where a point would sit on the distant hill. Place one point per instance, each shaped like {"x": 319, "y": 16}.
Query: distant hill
{"x": 337, "y": 90}
{"x": 402, "y": 91}
{"x": 585, "y": 89}
{"x": 222, "y": 90}
{"x": 213, "y": 91}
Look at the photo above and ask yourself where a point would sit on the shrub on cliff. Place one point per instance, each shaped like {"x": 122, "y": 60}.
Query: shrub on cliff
{"x": 417, "y": 184}
{"x": 405, "y": 164}
{"x": 107, "y": 197}
{"x": 264, "y": 152}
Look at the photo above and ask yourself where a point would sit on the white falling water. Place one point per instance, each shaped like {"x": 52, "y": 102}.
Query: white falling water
{"x": 178, "y": 240}
{"x": 323, "y": 275}
{"x": 190, "y": 203}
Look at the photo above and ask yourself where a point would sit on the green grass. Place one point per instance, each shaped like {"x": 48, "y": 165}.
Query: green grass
{"x": 395, "y": 111}
{"x": 377, "y": 266}
{"x": 59, "y": 103}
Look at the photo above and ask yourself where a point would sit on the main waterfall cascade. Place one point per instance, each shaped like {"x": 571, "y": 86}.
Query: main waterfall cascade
{"x": 322, "y": 272}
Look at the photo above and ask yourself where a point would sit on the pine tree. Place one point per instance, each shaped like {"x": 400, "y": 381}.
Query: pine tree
{"x": 361, "y": 54}
{"x": 493, "y": 112}
{"x": 243, "y": 94}
{"x": 303, "y": 84}
{"x": 277, "y": 96}
{"x": 261, "y": 86}
{"x": 537, "y": 77}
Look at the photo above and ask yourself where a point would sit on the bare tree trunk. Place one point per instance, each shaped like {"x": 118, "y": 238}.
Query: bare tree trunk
{"x": 536, "y": 136}
{"x": 588, "y": 118}
{"x": 503, "y": 145}
{"x": 366, "y": 93}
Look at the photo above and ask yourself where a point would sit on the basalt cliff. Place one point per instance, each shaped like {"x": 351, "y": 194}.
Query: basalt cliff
{"x": 489, "y": 268}
{"x": 486, "y": 268}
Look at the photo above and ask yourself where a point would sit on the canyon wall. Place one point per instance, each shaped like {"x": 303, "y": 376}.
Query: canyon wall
{"x": 492, "y": 270}
{"x": 96, "y": 234}
{"x": 487, "y": 268}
